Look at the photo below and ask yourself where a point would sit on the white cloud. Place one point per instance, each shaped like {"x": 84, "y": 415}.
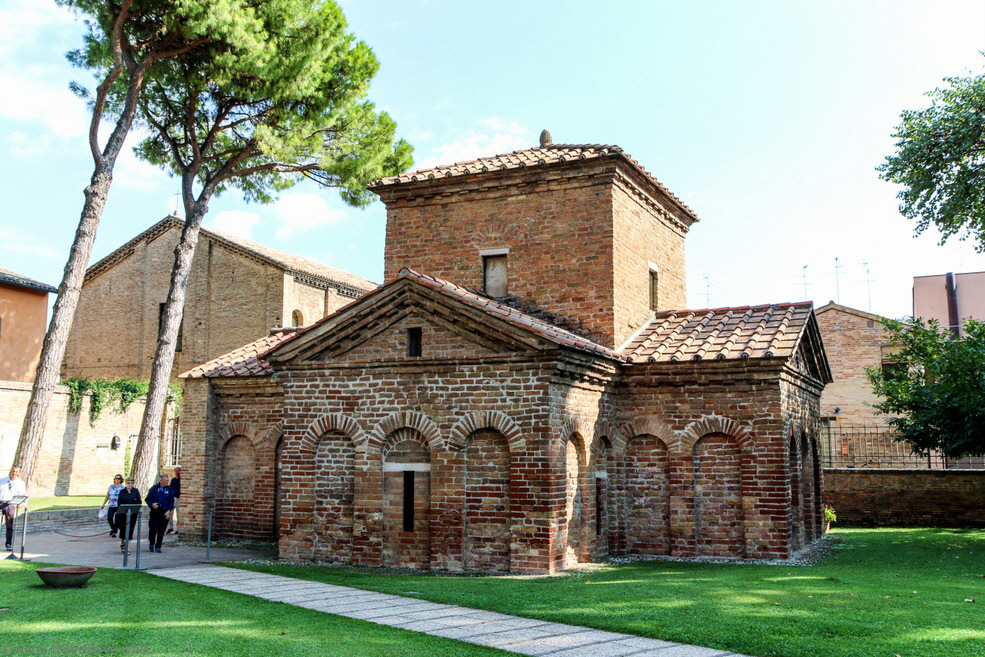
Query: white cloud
{"x": 492, "y": 136}
{"x": 133, "y": 173}
{"x": 236, "y": 222}
{"x": 13, "y": 242}
{"x": 299, "y": 213}
{"x": 35, "y": 79}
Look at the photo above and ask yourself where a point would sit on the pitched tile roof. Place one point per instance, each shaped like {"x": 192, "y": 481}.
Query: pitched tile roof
{"x": 349, "y": 283}
{"x": 509, "y": 314}
{"x": 245, "y": 361}
{"x": 541, "y": 156}
{"x": 11, "y": 278}
{"x": 768, "y": 331}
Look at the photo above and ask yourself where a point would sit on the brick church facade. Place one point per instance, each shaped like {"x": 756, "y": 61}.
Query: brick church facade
{"x": 521, "y": 394}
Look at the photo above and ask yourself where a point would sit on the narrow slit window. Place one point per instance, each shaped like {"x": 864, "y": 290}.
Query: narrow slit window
{"x": 654, "y": 290}
{"x": 408, "y": 500}
{"x": 414, "y": 341}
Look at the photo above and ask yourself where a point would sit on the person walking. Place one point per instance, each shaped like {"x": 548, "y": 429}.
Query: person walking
{"x": 112, "y": 494}
{"x": 160, "y": 499}
{"x": 176, "y": 487}
{"x": 127, "y": 495}
{"x": 10, "y": 487}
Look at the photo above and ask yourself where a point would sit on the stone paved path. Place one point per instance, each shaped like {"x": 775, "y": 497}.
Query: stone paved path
{"x": 520, "y": 635}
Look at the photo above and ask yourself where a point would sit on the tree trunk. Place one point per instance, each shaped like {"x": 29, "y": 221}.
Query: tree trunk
{"x": 56, "y": 339}
{"x": 150, "y": 427}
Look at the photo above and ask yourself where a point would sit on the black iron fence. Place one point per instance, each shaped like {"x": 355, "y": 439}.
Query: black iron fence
{"x": 875, "y": 446}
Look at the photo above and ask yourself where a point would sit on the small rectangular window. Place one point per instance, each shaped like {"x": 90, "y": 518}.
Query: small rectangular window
{"x": 408, "y": 500}
{"x": 654, "y": 290}
{"x": 414, "y": 341}
{"x": 494, "y": 275}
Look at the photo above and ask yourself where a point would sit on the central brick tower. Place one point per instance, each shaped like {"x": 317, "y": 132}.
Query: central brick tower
{"x": 581, "y": 233}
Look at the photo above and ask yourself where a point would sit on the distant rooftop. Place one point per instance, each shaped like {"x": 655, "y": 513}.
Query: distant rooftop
{"x": 11, "y": 278}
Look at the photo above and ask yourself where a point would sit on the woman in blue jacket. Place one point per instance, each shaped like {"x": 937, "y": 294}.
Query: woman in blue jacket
{"x": 160, "y": 499}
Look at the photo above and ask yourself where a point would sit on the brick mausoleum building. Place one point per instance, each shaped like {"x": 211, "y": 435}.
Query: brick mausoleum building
{"x": 520, "y": 395}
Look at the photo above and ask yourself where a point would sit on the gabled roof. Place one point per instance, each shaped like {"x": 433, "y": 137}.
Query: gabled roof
{"x": 461, "y": 301}
{"x": 767, "y": 331}
{"x": 774, "y": 331}
{"x": 248, "y": 360}
{"x": 10, "y": 278}
{"x": 541, "y": 156}
{"x": 308, "y": 270}
{"x": 831, "y": 305}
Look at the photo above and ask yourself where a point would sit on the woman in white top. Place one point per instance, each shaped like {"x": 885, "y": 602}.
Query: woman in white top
{"x": 111, "y": 497}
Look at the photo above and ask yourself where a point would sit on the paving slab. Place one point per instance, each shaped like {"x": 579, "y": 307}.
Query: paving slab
{"x": 524, "y": 636}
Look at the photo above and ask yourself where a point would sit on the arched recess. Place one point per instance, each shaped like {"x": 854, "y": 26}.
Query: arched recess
{"x": 646, "y": 494}
{"x": 487, "y": 531}
{"x": 332, "y": 422}
{"x": 406, "y": 499}
{"x": 796, "y": 493}
{"x": 334, "y": 484}
{"x": 576, "y": 543}
{"x": 808, "y": 500}
{"x": 235, "y": 504}
{"x": 501, "y": 422}
{"x": 427, "y": 431}
{"x": 278, "y": 484}
{"x": 818, "y": 510}
{"x": 649, "y": 425}
{"x": 713, "y": 424}
{"x": 718, "y": 515}
{"x": 601, "y": 454}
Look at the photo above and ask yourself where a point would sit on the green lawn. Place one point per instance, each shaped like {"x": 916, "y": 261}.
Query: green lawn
{"x": 882, "y": 592}
{"x": 120, "y": 610}
{"x": 64, "y": 502}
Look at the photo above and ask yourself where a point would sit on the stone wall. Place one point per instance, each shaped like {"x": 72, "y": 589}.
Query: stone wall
{"x": 906, "y": 498}
{"x": 77, "y": 458}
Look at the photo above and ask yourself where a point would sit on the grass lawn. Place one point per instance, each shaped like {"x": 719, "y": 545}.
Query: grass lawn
{"x": 882, "y": 592}
{"x": 64, "y": 502}
{"x": 123, "y": 612}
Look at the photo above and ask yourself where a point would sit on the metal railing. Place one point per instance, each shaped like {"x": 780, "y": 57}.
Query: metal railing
{"x": 875, "y": 446}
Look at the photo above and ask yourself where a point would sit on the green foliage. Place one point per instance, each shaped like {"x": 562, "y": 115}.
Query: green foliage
{"x": 940, "y": 161}
{"x": 936, "y": 400}
{"x": 285, "y": 105}
{"x": 829, "y": 514}
{"x": 104, "y": 392}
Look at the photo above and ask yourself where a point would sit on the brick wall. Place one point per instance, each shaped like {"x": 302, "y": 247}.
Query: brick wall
{"x": 853, "y": 341}
{"x": 76, "y": 458}
{"x": 579, "y": 238}
{"x": 906, "y": 498}
{"x": 232, "y": 299}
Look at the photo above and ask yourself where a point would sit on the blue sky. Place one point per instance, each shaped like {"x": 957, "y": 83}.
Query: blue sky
{"x": 766, "y": 118}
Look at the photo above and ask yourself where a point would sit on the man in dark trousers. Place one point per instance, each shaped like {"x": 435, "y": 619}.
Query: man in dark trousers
{"x": 176, "y": 487}
{"x": 160, "y": 499}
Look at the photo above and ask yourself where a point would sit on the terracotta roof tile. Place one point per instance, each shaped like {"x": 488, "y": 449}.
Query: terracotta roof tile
{"x": 768, "y": 331}
{"x": 9, "y": 277}
{"x": 552, "y": 154}
{"x": 245, "y": 361}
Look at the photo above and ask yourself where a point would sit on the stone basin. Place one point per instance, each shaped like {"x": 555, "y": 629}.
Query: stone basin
{"x": 64, "y": 577}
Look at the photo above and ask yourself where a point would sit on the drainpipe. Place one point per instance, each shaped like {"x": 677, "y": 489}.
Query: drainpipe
{"x": 952, "y": 305}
